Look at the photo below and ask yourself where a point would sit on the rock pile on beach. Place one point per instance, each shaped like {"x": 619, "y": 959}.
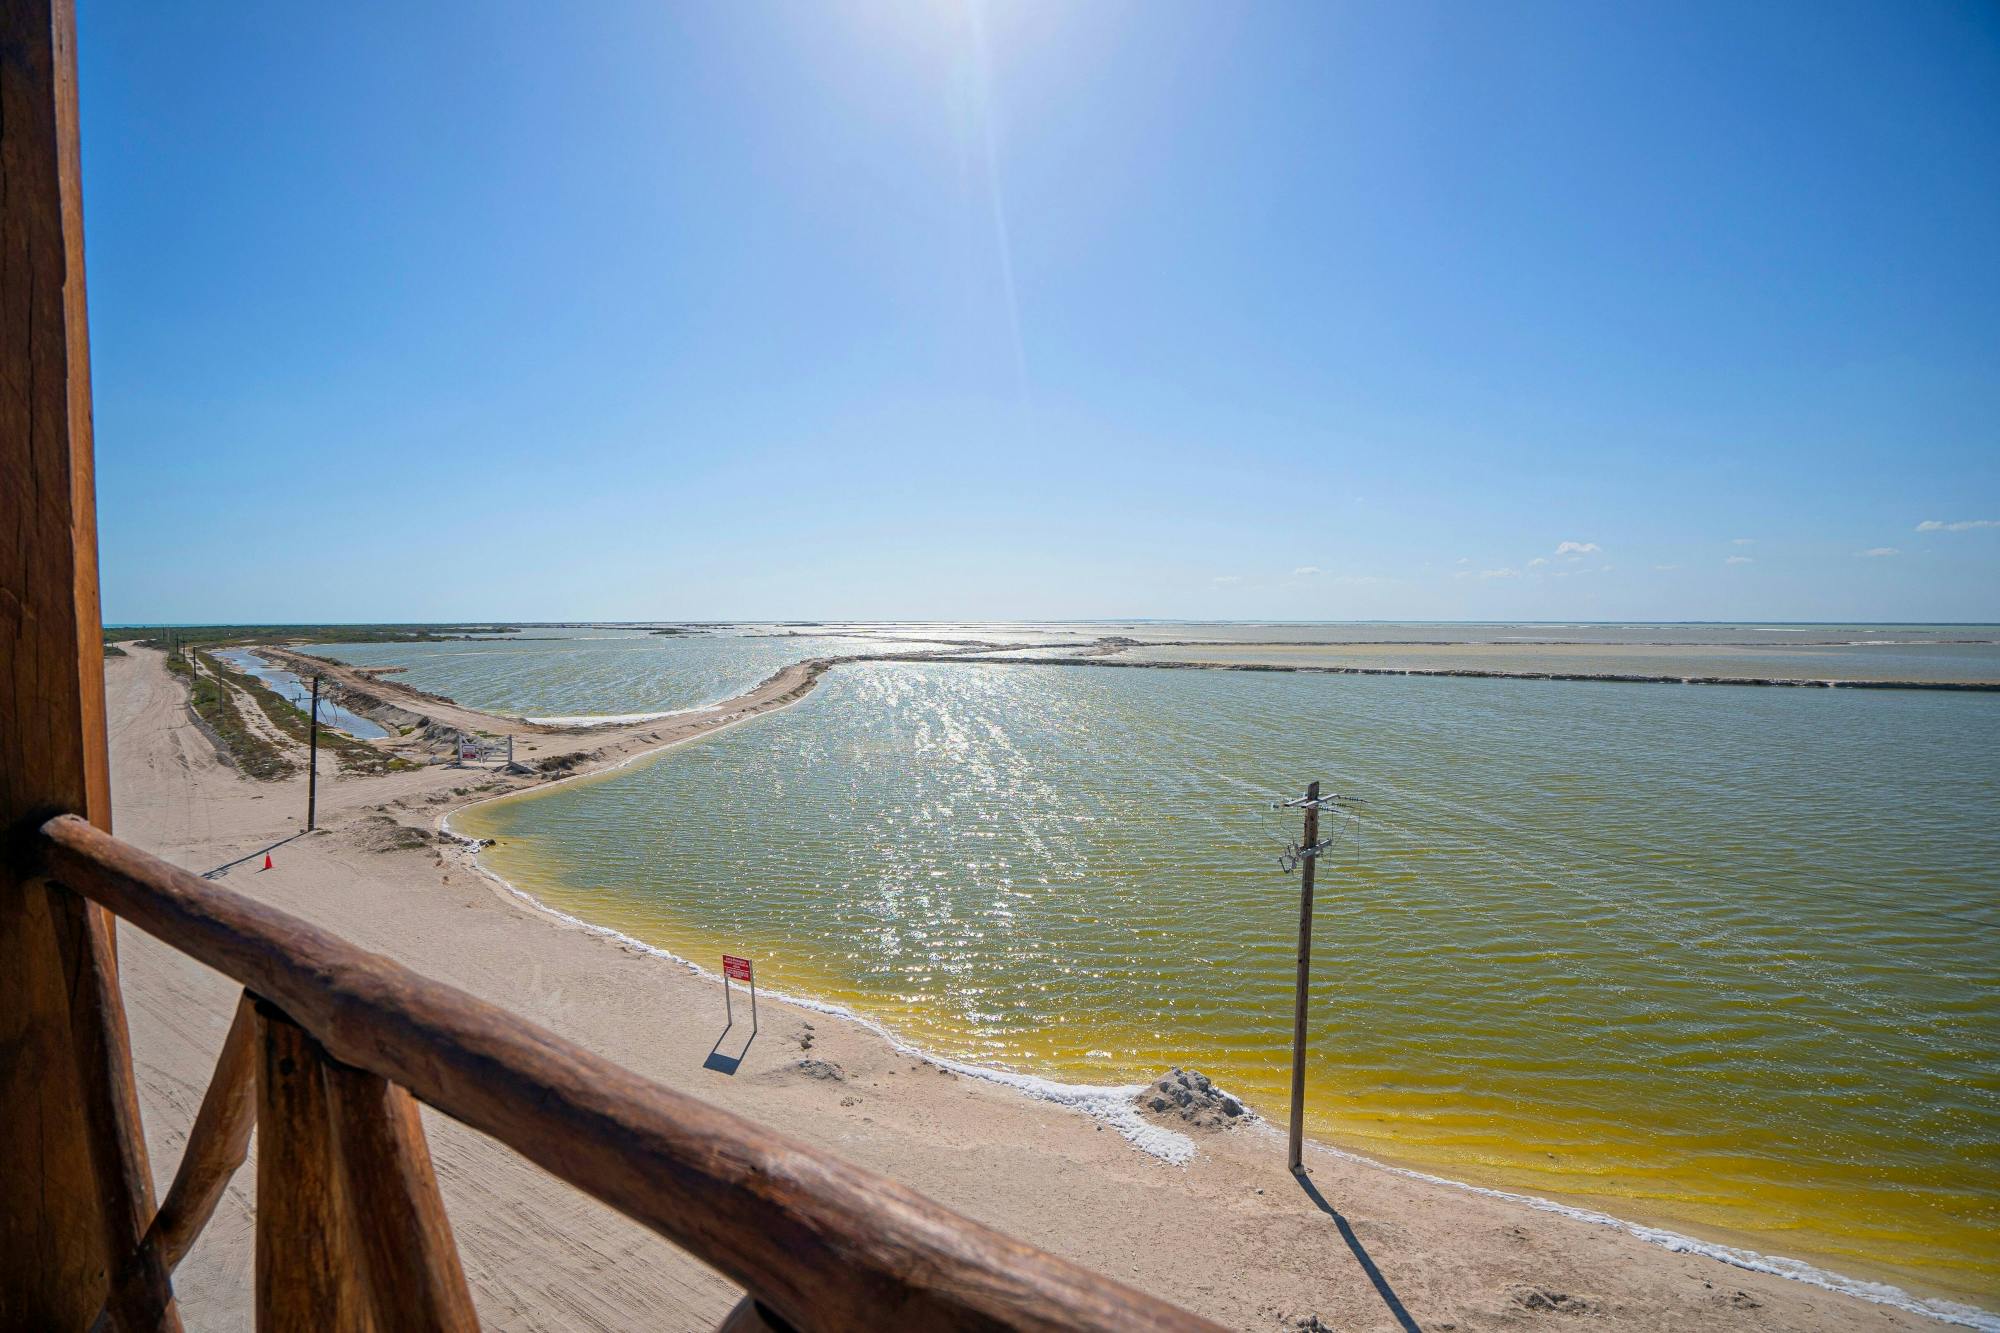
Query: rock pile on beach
{"x": 1189, "y": 1096}
{"x": 384, "y": 833}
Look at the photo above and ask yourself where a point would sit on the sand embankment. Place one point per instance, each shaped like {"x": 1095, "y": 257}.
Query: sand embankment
{"x": 1229, "y": 1234}
{"x": 1107, "y": 657}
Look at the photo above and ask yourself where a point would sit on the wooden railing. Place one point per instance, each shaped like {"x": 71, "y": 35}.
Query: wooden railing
{"x": 329, "y": 1046}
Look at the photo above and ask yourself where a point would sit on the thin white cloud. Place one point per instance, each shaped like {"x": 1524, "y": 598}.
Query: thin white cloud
{"x": 1306, "y": 571}
{"x": 1963, "y": 525}
{"x": 1606, "y": 569}
{"x": 1578, "y": 548}
{"x": 1465, "y": 560}
{"x": 1742, "y": 541}
{"x": 1877, "y": 552}
{"x": 1228, "y": 578}
{"x": 1666, "y": 567}
{"x": 1538, "y": 560}
{"x": 1499, "y": 573}
{"x": 1739, "y": 560}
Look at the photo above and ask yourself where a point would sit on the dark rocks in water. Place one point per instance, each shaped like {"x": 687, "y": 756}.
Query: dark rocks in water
{"x": 1188, "y": 1095}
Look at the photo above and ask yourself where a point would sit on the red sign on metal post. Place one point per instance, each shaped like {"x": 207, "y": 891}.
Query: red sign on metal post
{"x": 738, "y": 969}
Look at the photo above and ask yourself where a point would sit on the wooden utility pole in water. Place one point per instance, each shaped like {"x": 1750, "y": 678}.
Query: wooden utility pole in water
{"x": 1307, "y": 849}
{"x": 1303, "y": 857}
{"x": 312, "y": 762}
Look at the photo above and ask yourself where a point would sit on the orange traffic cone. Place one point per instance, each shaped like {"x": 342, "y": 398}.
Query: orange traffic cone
{"x": 267, "y": 860}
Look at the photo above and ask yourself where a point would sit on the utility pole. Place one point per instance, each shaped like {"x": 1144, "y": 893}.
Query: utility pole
{"x": 1309, "y": 851}
{"x": 1303, "y": 857}
{"x": 312, "y": 762}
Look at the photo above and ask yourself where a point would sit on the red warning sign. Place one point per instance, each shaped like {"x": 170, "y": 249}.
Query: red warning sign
{"x": 736, "y": 968}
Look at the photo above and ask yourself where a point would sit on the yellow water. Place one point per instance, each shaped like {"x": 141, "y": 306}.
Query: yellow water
{"x": 1721, "y": 961}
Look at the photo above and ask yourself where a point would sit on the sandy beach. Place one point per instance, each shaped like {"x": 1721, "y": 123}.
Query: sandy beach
{"x": 1229, "y": 1233}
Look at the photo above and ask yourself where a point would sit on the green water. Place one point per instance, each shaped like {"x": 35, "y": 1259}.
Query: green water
{"x": 1719, "y": 960}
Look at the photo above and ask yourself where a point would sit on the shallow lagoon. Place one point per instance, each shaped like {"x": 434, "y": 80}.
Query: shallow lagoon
{"x": 1717, "y": 959}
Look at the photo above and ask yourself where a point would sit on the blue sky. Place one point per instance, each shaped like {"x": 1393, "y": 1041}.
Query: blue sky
{"x": 1045, "y": 310}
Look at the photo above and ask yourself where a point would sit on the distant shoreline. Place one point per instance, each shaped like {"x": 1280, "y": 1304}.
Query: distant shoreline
{"x": 1476, "y": 673}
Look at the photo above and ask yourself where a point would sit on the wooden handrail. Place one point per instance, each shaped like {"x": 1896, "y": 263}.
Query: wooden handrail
{"x": 817, "y": 1242}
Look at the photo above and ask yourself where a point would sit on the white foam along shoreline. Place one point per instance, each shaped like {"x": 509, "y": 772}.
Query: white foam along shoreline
{"x": 1797, "y": 1270}
{"x": 613, "y": 719}
{"x": 1116, "y": 1105}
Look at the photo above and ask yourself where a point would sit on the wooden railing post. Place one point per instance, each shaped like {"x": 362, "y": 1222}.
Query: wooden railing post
{"x": 309, "y": 1274}
{"x": 414, "y": 1278}
{"x": 77, "y": 1193}
{"x": 216, "y": 1146}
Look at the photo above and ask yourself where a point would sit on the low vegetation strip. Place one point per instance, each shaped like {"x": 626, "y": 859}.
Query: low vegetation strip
{"x": 215, "y": 707}
{"x": 218, "y": 636}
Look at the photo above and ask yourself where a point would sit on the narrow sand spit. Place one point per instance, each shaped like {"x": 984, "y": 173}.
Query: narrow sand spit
{"x": 1229, "y": 1234}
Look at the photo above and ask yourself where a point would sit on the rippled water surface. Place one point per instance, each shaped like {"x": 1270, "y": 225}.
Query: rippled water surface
{"x": 1719, "y": 959}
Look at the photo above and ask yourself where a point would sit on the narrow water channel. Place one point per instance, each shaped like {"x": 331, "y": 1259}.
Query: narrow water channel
{"x": 288, "y": 684}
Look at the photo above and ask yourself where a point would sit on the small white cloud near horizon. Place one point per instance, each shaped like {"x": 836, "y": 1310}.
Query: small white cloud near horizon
{"x": 1742, "y": 541}
{"x": 1464, "y": 560}
{"x": 1307, "y": 571}
{"x": 1666, "y": 567}
{"x": 1739, "y": 560}
{"x": 1538, "y": 560}
{"x": 1228, "y": 578}
{"x": 1579, "y": 549}
{"x": 1877, "y": 552}
{"x": 1963, "y": 525}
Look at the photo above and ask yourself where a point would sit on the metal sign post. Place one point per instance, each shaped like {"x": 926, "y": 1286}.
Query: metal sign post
{"x": 739, "y": 969}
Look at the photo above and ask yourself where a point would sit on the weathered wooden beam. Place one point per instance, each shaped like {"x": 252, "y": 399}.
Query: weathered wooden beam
{"x": 216, "y": 1146}
{"x": 309, "y": 1275}
{"x": 746, "y": 1316}
{"x": 819, "y": 1243}
{"x": 405, "y": 1238}
{"x": 140, "y": 1297}
{"x": 77, "y": 1192}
